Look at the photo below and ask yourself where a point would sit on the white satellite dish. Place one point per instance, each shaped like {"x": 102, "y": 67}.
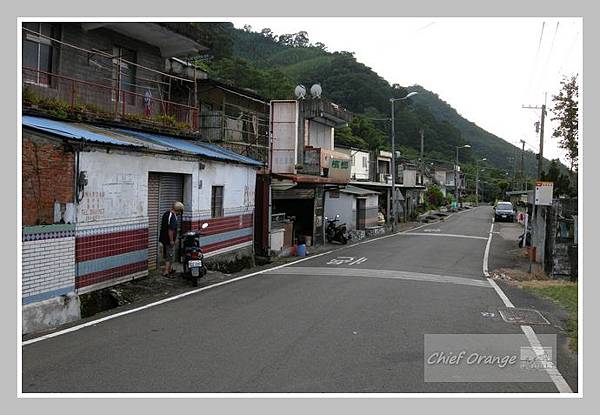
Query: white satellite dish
{"x": 316, "y": 90}
{"x": 300, "y": 92}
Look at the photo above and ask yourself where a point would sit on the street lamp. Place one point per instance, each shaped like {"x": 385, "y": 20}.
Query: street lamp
{"x": 394, "y": 218}
{"x": 477, "y": 180}
{"x": 456, "y": 193}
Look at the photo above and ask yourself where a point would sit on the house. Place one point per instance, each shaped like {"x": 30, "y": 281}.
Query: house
{"x": 235, "y": 118}
{"x": 357, "y": 207}
{"x": 110, "y": 139}
{"x": 359, "y": 162}
{"x": 411, "y": 180}
{"x": 445, "y": 176}
{"x": 303, "y": 165}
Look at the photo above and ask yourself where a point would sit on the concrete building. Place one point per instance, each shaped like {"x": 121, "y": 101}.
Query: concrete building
{"x": 104, "y": 229}
{"x": 360, "y": 161}
{"x": 357, "y": 207}
{"x": 303, "y": 165}
{"x": 110, "y": 140}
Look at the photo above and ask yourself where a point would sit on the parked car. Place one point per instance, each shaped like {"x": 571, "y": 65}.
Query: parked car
{"x": 504, "y": 211}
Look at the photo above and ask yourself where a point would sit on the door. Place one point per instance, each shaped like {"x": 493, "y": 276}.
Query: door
{"x": 361, "y": 211}
{"x": 163, "y": 190}
{"x": 153, "y": 219}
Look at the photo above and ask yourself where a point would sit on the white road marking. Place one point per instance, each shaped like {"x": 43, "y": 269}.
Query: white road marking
{"x": 163, "y": 301}
{"x": 558, "y": 380}
{"x": 451, "y": 235}
{"x": 379, "y": 273}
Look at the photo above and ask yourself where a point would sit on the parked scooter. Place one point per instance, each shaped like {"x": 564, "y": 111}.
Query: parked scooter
{"x": 335, "y": 232}
{"x": 192, "y": 256}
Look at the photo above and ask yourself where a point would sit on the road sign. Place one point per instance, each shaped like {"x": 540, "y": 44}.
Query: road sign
{"x": 543, "y": 193}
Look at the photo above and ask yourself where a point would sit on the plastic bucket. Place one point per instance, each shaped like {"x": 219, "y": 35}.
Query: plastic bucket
{"x": 301, "y": 250}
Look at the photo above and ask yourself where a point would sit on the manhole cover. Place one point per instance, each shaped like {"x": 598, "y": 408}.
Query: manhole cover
{"x": 522, "y": 316}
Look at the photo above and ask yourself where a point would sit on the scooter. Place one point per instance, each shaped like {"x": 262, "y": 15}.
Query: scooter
{"x": 335, "y": 232}
{"x": 192, "y": 256}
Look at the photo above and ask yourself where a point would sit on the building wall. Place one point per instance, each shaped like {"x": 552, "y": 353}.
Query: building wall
{"x": 47, "y": 177}
{"x": 112, "y": 228}
{"x": 48, "y": 277}
{"x": 409, "y": 177}
{"x": 345, "y": 206}
{"x": 358, "y": 171}
{"x": 96, "y": 69}
{"x": 320, "y": 135}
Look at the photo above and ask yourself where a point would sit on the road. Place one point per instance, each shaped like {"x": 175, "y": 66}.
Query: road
{"x": 320, "y": 325}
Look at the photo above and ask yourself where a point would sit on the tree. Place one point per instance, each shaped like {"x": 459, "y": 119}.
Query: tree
{"x": 562, "y": 184}
{"x": 247, "y": 28}
{"x": 566, "y": 112}
{"x": 321, "y": 46}
{"x": 267, "y": 32}
{"x": 435, "y": 197}
{"x": 300, "y": 39}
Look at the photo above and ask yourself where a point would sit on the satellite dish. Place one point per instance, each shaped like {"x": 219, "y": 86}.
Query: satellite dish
{"x": 300, "y": 91}
{"x": 316, "y": 90}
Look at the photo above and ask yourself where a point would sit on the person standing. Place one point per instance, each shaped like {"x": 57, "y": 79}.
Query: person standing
{"x": 168, "y": 235}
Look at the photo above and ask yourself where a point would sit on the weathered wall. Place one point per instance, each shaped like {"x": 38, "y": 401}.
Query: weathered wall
{"x": 345, "y": 206}
{"x": 319, "y": 135}
{"x": 47, "y": 177}
{"x": 48, "y": 276}
{"x": 112, "y": 229}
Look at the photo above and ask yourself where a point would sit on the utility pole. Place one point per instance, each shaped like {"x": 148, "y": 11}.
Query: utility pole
{"x": 542, "y": 120}
{"x": 422, "y": 133}
{"x": 522, "y": 167}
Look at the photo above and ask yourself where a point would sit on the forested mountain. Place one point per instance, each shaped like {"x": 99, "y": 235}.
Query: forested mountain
{"x": 272, "y": 65}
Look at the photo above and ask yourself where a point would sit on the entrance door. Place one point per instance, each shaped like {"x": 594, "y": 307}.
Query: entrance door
{"x": 163, "y": 190}
{"x": 361, "y": 212}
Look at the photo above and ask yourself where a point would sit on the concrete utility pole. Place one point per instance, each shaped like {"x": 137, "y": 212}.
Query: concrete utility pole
{"x": 422, "y": 133}
{"x": 394, "y": 218}
{"x": 477, "y": 180}
{"x": 456, "y": 184}
{"x": 542, "y": 121}
{"x": 522, "y": 168}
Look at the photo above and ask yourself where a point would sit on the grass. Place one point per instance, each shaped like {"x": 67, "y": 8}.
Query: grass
{"x": 565, "y": 295}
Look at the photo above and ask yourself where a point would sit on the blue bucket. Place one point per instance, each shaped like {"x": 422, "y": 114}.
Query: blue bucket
{"x": 301, "y": 250}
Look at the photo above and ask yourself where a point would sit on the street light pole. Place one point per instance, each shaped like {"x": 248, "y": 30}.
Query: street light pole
{"x": 477, "y": 180}
{"x": 456, "y": 192}
{"x": 394, "y": 216}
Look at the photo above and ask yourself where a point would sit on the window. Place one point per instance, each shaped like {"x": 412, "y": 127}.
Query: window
{"x": 38, "y": 52}
{"x": 123, "y": 79}
{"x": 364, "y": 162}
{"x": 352, "y": 161}
{"x": 216, "y": 204}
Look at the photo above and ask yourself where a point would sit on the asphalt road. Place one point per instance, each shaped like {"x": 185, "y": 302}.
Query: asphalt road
{"x": 327, "y": 324}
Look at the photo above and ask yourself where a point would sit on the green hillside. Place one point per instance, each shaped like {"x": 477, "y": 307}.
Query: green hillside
{"x": 272, "y": 65}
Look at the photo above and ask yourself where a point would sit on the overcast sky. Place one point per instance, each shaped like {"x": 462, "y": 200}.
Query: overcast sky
{"x": 486, "y": 68}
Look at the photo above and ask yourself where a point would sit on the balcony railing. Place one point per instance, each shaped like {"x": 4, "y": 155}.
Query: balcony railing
{"x": 62, "y": 96}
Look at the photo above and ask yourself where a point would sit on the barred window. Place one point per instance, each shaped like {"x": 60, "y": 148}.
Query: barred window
{"x": 216, "y": 206}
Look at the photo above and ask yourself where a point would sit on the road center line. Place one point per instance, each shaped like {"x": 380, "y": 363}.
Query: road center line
{"x": 451, "y": 235}
{"x": 553, "y": 372}
{"x": 378, "y": 273}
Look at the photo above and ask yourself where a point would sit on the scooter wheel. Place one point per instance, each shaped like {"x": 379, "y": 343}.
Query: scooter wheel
{"x": 344, "y": 240}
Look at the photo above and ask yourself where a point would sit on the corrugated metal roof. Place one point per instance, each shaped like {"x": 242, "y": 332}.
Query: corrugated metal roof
{"x": 195, "y": 147}
{"x": 125, "y": 137}
{"x": 358, "y": 191}
{"x": 73, "y": 130}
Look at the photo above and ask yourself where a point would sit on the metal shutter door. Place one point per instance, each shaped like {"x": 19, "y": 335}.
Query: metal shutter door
{"x": 170, "y": 190}
{"x": 153, "y": 220}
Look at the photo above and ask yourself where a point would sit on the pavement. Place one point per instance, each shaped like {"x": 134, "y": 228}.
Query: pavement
{"x": 349, "y": 320}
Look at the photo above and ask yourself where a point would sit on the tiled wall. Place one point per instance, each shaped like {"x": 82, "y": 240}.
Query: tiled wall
{"x": 223, "y": 234}
{"x": 48, "y": 262}
{"x": 110, "y": 252}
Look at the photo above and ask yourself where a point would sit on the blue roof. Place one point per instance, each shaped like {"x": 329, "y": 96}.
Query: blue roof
{"x": 195, "y": 147}
{"x": 71, "y": 130}
{"x": 125, "y": 137}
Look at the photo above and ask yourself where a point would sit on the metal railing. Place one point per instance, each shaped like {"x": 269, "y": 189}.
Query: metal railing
{"x": 56, "y": 92}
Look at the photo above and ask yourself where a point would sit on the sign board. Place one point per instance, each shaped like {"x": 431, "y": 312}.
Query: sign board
{"x": 543, "y": 193}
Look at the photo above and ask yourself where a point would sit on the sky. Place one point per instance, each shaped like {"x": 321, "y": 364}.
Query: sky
{"x": 486, "y": 68}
